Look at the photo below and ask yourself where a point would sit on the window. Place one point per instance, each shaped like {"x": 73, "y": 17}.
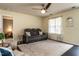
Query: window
{"x": 55, "y": 25}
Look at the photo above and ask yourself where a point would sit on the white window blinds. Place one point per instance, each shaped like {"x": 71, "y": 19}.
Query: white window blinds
{"x": 55, "y": 25}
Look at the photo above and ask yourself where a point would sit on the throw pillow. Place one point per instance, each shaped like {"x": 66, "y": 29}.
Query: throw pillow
{"x": 28, "y": 33}
{"x": 40, "y": 33}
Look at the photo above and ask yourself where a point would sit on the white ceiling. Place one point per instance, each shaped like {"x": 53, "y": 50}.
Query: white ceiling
{"x": 27, "y": 8}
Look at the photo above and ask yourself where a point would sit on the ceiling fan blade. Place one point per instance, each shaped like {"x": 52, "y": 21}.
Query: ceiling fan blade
{"x": 48, "y": 5}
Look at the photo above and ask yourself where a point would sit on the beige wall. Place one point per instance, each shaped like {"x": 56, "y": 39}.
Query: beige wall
{"x": 70, "y": 34}
{"x": 22, "y": 21}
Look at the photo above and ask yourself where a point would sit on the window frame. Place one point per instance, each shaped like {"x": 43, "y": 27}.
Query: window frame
{"x": 55, "y": 26}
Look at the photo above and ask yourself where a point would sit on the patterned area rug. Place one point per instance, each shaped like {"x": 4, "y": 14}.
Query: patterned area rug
{"x": 45, "y": 48}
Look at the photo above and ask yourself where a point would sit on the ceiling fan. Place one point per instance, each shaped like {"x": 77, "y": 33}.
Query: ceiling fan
{"x": 44, "y": 8}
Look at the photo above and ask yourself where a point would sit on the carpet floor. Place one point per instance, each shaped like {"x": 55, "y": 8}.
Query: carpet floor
{"x": 45, "y": 48}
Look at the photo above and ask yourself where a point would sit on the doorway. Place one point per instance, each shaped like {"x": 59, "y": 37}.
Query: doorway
{"x": 8, "y": 26}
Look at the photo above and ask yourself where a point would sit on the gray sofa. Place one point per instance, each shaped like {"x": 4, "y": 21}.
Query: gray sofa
{"x": 35, "y": 36}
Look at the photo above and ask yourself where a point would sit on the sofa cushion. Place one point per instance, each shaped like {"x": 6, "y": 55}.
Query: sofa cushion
{"x": 38, "y": 30}
{"x": 34, "y": 32}
{"x": 35, "y": 38}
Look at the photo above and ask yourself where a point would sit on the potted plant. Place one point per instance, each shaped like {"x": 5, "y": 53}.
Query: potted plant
{"x": 2, "y": 36}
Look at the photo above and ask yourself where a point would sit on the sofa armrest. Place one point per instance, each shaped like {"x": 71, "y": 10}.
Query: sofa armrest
{"x": 45, "y": 34}
{"x": 25, "y": 38}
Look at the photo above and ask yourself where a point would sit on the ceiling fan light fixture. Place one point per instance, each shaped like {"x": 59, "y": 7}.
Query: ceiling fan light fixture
{"x": 43, "y": 11}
